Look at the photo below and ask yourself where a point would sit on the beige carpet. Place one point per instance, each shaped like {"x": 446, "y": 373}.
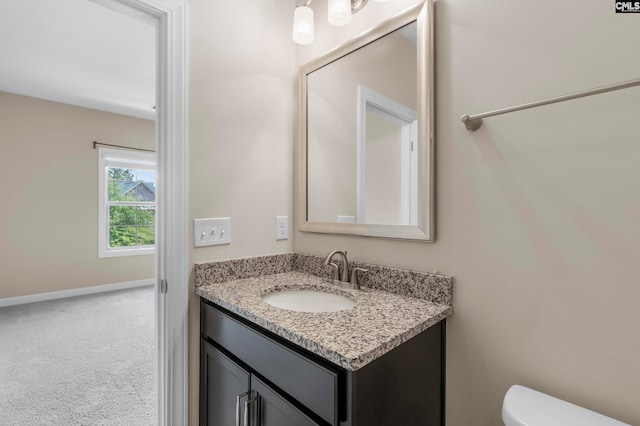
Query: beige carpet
{"x": 86, "y": 360}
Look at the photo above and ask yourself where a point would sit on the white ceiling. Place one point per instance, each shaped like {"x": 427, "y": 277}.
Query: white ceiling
{"x": 78, "y": 52}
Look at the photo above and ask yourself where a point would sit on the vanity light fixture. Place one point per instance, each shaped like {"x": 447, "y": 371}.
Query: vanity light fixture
{"x": 338, "y": 13}
{"x": 303, "y": 24}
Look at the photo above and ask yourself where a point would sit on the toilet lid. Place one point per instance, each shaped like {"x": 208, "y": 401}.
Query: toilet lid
{"x": 526, "y": 407}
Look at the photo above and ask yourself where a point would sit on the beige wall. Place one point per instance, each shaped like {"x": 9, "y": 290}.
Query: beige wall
{"x": 242, "y": 107}
{"x": 537, "y": 212}
{"x": 49, "y": 186}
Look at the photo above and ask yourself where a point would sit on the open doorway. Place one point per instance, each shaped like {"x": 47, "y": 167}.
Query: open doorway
{"x": 68, "y": 80}
{"x": 387, "y": 160}
{"x": 168, "y": 18}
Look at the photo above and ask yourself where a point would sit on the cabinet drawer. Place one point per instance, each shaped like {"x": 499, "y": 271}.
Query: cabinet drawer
{"x": 313, "y": 385}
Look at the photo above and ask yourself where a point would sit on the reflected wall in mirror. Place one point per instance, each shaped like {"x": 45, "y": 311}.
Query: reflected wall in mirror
{"x": 357, "y": 135}
{"x": 366, "y": 132}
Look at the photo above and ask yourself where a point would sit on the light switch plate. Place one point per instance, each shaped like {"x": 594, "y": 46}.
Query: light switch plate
{"x": 282, "y": 227}
{"x": 212, "y": 231}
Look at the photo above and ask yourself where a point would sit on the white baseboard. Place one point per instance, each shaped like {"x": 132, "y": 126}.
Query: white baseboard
{"x": 41, "y": 297}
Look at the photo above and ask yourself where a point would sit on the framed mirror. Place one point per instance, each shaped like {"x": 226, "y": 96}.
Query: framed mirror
{"x": 366, "y": 133}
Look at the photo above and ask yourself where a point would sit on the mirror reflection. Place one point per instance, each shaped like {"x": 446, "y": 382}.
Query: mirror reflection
{"x": 362, "y": 132}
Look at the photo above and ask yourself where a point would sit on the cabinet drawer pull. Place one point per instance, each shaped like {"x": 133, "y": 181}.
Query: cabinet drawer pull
{"x": 238, "y": 414}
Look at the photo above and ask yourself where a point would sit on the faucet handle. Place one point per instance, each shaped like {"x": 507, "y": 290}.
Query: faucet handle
{"x": 354, "y": 276}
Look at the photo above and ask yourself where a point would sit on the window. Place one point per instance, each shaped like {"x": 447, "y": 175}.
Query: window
{"x": 127, "y": 202}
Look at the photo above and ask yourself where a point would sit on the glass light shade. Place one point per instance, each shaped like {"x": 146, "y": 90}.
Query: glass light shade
{"x": 303, "y": 25}
{"x": 381, "y": 1}
{"x": 339, "y": 12}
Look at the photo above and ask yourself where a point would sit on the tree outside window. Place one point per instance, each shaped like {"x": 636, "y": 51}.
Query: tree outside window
{"x": 131, "y": 202}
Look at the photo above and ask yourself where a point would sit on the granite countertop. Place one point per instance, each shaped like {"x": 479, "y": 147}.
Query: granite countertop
{"x": 379, "y": 322}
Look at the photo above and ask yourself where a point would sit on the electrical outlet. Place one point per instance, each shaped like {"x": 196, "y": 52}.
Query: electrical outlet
{"x": 282, "y": 227}
{"x": 211, "y": 232}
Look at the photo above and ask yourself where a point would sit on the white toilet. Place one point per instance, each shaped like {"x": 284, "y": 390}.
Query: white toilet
{"x": 526, "y": 407}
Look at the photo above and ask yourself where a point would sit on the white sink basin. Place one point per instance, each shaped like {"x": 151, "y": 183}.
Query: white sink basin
{"x": 308, "y": 301}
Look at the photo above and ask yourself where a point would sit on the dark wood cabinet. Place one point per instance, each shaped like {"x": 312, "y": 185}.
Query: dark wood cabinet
{"x": 231, "y": 395}
{"x": 223, "y": 384}
{"x": 247, "y": 369}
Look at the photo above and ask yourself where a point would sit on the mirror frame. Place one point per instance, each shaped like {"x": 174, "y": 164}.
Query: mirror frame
{"x": 425, "y": 229}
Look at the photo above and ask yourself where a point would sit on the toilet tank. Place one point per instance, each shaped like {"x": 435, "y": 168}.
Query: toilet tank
{"x": 526, "y": 407}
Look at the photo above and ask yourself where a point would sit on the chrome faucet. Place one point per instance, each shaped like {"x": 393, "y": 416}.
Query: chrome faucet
{"x": 344, "y": 276}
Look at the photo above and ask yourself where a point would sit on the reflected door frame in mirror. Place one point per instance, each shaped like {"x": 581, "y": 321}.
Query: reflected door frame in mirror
{"x": 424, "y": 227}
{"x": 372, "y": 103}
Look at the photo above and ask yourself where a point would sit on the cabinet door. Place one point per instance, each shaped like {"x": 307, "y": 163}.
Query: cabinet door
{"x": 273, "y": 410}
{"x": 221, "y": 382}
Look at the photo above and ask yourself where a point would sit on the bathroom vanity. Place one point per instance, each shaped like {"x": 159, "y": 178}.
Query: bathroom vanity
{"x": 252, "y": 375}
{"x": 380, "y": 363}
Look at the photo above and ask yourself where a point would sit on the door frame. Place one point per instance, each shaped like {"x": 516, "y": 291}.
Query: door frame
{"x": 407, "y": 117}
{"x": 172, "y": 254}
